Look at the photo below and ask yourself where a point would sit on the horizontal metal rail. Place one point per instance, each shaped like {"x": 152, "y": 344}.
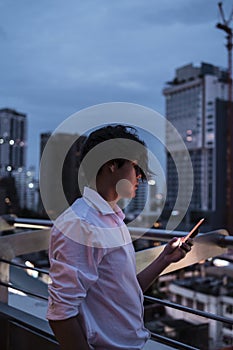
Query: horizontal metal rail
{"x": 136, "y": 232}
{"x": 24, "y": 266}
{"x": 25, "y": 291}
{"x": 189, "y": 310}
{"x": 12, "y": 220}
{"x": 171, "y": 342}
{"x": 164, "y": 235}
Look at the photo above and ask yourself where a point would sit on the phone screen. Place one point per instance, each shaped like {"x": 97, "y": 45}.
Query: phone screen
{"x": 193, "y": 232}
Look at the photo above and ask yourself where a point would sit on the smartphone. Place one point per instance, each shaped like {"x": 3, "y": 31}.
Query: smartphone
{"x": 193, "y": 232}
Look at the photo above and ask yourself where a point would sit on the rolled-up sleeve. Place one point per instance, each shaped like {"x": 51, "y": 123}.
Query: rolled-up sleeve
{"x": 73, "y": 269}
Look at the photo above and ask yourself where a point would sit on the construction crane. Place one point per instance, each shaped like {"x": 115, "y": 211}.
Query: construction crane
{"x": 225, "y": 26}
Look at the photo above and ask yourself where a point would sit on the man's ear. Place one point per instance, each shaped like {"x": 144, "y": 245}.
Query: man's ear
{"x": 112, "y": 166}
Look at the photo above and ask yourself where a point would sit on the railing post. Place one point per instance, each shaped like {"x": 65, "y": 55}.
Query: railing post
{"x": 18, "y": 244}
{"x": 5, "y": 278}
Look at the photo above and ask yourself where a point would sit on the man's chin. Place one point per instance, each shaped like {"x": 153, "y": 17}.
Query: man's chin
{"x": 132, "y": 194}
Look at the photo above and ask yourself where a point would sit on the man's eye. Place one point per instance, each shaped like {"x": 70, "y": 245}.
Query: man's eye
{"x": 137, "y": 169}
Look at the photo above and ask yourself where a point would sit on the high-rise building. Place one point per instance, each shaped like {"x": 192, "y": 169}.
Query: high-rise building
{"x": 137, "y": 204}
{"x": 27, "y": 188}
{"x": 44, "y": 137}
{"x": 196, "y": 105}
{"x": 49, "y": 176}
{"x": 13, "y": 134}
{"x": 9, "y": 203}
{"x": 31, "y": 189}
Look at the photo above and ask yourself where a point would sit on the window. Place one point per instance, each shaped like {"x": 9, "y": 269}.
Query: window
{"x": 229, "y": 309}
{"x": 189, "y": 302}
{"x": 227, "y": 340}
{"x": 228, "y": 326}
{"x": 179, "y": 299}
{"x": 200, "y": 305}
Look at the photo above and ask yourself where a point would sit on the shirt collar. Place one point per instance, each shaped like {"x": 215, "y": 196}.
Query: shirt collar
{"x": 100, "y": 203}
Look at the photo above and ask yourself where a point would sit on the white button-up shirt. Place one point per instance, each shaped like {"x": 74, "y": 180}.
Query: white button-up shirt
{"x": 93, "y": 273}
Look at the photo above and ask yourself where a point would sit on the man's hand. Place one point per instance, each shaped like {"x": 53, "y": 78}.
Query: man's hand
{"x": 176, "y": 250}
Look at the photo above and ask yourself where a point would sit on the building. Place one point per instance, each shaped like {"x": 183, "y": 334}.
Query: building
{"x": 44, "y": 137}
{"x": 134, "y": 206}
{"x": 27, "y": 188}
{"x": 9, "y": 202}
{"x": 209, "y": 294}
{"x": 205, "y": 287}
{"x": 13, "y": 135}
{"x": 145, "y": 208}
{"x": 31, "y": 189}
{"x": 196, "y": 105}
{"x": 70, "y": 161}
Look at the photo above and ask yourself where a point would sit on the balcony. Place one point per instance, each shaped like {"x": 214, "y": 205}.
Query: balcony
{"x": 23, "y": 298}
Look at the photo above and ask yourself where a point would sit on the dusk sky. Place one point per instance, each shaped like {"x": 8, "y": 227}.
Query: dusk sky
{"x": 58, "y": 57}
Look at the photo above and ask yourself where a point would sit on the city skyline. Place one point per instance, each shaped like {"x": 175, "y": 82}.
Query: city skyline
{"x": 196, "y": 104}
{"x": 57, "y": 59}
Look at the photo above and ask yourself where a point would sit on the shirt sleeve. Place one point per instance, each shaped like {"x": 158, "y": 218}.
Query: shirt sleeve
{"x": 73, "y": 269}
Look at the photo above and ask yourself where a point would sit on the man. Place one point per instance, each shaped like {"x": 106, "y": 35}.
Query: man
{"x": 96, "y": 298}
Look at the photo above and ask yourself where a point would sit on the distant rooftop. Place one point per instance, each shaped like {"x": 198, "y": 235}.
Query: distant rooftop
{"x": 12, "y": 112}
{"x": 190, "y": 72}
{"x": 207, "y": 285}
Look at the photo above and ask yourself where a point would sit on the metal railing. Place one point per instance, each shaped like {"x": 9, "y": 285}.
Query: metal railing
{"x": 26, "y": 242}
{"x": 156, "y": 337}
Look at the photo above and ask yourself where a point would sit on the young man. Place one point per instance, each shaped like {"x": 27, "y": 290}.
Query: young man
{"x": 96, "y": 298}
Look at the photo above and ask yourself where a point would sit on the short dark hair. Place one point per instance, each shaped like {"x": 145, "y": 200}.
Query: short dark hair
{"x": 117, "y": 131}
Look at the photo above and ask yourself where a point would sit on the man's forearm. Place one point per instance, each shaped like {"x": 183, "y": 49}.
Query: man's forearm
{"x": 147, "y": 276}
{"x": 69, "y": 334}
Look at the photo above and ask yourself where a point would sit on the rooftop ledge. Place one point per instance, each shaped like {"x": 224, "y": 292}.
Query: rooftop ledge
{"x": 23, "y": 316}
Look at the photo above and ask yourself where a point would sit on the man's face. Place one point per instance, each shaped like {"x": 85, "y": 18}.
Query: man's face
{"x": 127, "y": 179}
